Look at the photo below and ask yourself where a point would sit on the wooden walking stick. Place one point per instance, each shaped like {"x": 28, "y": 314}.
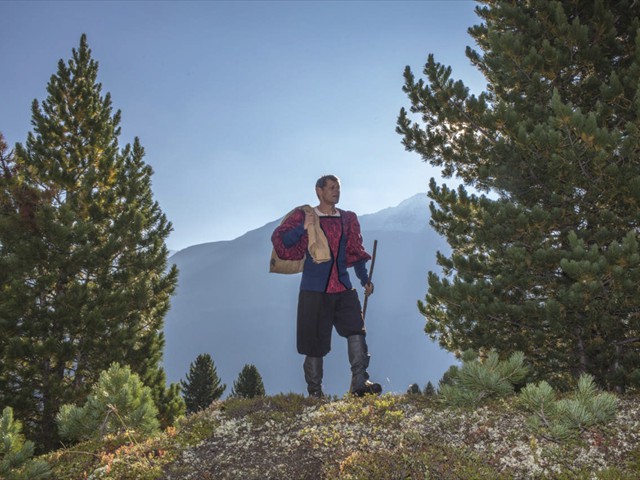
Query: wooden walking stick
{"x": 373, "y": 264}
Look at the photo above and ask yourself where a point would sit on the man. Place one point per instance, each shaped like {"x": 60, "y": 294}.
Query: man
{"x": 327, "y": 298}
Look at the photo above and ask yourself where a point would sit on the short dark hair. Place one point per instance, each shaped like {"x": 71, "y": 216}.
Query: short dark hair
{"x": 322, "y": 181}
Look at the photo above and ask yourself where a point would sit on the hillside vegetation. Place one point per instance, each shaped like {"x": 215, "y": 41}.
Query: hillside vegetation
{"x": 388, "y": 437}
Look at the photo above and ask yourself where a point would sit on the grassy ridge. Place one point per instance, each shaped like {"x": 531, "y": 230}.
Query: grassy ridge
{"x": 388, "y": 437}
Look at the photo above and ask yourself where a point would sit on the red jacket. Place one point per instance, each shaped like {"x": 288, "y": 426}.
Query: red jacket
{"x": 290, "y": 241}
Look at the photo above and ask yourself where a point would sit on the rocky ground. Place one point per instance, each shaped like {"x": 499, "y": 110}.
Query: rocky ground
{"x": 399, "y": 437}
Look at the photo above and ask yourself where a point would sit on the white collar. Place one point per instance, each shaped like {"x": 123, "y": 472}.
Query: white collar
{"x": 320, "y": 214}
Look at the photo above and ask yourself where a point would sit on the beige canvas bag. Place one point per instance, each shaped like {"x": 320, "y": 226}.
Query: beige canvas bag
{"x": 318, "y": 247}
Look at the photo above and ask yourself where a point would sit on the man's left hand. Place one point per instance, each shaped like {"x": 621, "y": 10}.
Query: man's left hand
{"x": 368, "y": 289}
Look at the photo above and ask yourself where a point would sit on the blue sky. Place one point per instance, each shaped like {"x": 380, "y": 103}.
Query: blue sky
{"x": 242, "y": 105}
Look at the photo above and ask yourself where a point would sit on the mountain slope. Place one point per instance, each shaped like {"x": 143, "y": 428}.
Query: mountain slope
{"x": 229, "y": 305}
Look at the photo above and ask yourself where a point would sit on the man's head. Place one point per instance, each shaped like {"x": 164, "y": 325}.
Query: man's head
{"x": 328, "y": 189}
{"x": 322, "y": 181}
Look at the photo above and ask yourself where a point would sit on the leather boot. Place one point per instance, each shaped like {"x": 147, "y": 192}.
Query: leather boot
{"x": 313, "y": 375}
{"x": 359, "y": 360}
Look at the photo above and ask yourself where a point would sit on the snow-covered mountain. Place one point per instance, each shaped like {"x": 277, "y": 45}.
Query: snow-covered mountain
{"x": 412, "y": 215}
{"x": 227, "y": 304}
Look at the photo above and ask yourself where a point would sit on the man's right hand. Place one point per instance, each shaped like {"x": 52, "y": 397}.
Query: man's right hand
{"x": 368, "y": 289}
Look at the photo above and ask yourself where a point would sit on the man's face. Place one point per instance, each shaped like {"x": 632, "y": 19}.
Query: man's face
{"x": 330, "y": 193}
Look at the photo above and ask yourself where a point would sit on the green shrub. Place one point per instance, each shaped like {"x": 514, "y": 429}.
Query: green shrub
{"x": 563, "y": 418}
{"x": 118, "y": 402}
{"x": 15, "y": 453}
{"x": 479, "y": 380}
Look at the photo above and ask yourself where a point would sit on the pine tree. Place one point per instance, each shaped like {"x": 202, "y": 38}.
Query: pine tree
{"x": 249, "y": 383}
{"x": 83, "y": 261}
{"x": 169, "y": 401}
{"x": 544, "y": 254}
{"x": 429, "y": 390}
{"x": 202, "y": 385}
{"x": 413, "y": 389}
{"x": 16, "y": 462}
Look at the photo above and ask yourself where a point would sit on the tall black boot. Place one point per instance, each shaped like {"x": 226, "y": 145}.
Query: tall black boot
{"x": 313, "y": 375}
{"x": 359, "y": 360}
